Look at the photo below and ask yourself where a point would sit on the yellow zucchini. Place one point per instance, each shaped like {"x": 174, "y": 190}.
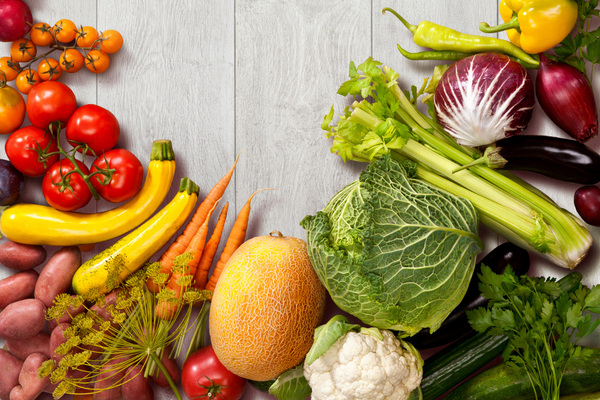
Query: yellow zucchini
{"x": 135, "y": 249}
{"x": 42, "y": 225}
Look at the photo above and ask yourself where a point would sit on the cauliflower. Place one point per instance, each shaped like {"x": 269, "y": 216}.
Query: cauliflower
{"x": 361, "y": 366}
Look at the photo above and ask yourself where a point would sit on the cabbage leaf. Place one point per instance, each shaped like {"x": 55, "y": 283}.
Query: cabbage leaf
{"x": 393, "y": 250}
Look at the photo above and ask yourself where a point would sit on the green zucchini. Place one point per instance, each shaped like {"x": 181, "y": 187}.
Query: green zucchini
{"x": 504, "y": 382}
{"x": 461, "y": 359}
{"x": 582, "y": 396}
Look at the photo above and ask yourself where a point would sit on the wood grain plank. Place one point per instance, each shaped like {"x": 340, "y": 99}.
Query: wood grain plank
{"x": 291, "y": 57}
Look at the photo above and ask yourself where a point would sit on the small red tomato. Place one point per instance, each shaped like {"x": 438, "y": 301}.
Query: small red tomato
{"x": 49, "y": 102}
{"x": 64, "y": 198}
{"x": 95, "y": 126}
{"x": 22, "y": 150}
{"x": 587, "y": 204}
{"x": 204, "y": 376}
{"x": 15, "y": 20}
{"x": 126, "y": 180}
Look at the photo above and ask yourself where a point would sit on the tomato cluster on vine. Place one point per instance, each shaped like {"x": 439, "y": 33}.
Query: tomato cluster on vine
{"x": 68, "y": 184}
{"x": 79, "y": 47}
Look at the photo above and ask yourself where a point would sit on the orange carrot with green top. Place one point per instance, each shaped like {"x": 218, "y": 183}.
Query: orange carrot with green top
{"x": 210, "y": 249}
{"x": 180, "y": 244}
{"x": 235, "y": 239}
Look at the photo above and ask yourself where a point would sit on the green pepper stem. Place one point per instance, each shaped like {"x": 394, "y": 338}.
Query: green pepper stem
{"x": 162, "y": 368}
{"x": 512, "y": 24}
{"x": 410, "y": 27}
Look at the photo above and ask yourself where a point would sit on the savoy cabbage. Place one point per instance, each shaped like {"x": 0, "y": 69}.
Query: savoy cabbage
{"x": 394, "y": 251}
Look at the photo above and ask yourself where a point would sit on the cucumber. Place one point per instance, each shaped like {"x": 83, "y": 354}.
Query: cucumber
{"x": 504, "y": 382}
{"x": 461, "y": 359}
{"x": 447, "y": 368}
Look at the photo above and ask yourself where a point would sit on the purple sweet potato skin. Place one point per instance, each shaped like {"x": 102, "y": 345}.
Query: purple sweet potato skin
{"x": 21, "y": 256}
{"x": 39, "y": 343}
{"x": 17, "y": 287}
{"x": 57, "y": 274}
{"x": 138, "y": 388}
{"x": 22, "y": 319}
{"x": 10, "y": 367}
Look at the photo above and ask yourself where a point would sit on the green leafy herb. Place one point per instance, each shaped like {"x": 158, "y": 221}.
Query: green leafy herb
{"x": 585, "y": 44}
{"x": 543, "y": 322}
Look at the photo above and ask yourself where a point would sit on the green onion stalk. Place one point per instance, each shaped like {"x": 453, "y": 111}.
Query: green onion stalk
{"x": 390, "y": 123}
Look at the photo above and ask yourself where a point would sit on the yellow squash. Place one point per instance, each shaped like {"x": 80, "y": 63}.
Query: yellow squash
{"x": 134, "y": 250}
{"x": 42, "y": 225}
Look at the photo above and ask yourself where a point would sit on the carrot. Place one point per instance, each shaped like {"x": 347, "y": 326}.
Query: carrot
{"x": 180, "y": 244}
{"x": 235, "y": 239}
{"x": 210, "y": 249}
{"x": 196, "y": 248}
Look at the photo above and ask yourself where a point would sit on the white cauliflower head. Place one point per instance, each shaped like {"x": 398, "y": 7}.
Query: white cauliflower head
{"x": 360, "y": 366}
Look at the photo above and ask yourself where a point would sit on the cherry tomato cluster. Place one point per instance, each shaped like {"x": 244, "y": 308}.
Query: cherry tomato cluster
{"x": 115, "y": 174}
{"x": 79, "y": 47}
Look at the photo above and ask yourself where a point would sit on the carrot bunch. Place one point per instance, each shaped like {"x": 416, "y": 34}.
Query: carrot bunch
{"x": 202, "y": 253}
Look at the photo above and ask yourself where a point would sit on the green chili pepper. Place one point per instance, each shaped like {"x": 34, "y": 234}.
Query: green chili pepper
{"x": 449, "y": 55}
{"x": 437, "y": 37}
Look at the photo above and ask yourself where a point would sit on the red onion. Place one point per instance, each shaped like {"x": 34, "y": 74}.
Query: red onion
{"x": 567, "y": 98}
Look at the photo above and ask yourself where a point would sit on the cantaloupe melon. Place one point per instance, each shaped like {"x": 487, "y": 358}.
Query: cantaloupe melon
{"x": 265, "y": 307}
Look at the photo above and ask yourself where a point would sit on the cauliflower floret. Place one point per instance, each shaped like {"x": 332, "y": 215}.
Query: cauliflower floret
{"x": 360, "y": 366}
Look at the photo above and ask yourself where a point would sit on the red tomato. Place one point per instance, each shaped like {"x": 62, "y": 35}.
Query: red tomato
{"x": 126, "y": 181}
{"x": 21, "y": 148}
{"x": 95, "y": 126}
{"x": 61, "y": 197}
{"x": 204, "y": 376}
{"x": 50, "y": 101}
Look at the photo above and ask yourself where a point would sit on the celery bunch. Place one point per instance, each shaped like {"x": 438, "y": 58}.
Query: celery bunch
{"x": 390, "y": 123}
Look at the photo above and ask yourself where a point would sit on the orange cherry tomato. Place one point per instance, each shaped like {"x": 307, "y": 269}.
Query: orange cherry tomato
{"x": 49, "y": 70}
{"x": 97, "y": 61}
{"x": 41, "y": 34}
{"x": 71, "y": 60}
{"x": 65, "y": 30}
{"x": 10, "y": 69}
{"x": 112, "y": 41}
{"x": 84, "y": 249}
{"x": 12, "y": 110}
{"x": 27, "y": 79}
{"x": 22, "y": 50}
{"x": 87, "y": 36}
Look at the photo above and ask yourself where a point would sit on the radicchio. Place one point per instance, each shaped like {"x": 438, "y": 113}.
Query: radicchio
{"x": 484, "y": 98}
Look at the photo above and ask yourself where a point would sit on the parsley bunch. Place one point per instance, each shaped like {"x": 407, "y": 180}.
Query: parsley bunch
{"x": 542, "y": 320}
{"x": 584, "y": 44}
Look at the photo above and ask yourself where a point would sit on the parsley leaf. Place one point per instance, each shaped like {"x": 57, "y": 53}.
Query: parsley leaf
{"x": 542, "y": 320}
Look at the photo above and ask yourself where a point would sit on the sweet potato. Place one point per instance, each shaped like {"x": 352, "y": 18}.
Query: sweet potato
{"x": 57, "y": 274}
{"x": 22, "y": 320}
{"x": 171, "y": 366}
{"x": 107, "y": 378}
{"x": 21, "y": 256}
{"x": 67, "y": 317}
{"x": 30, "y": 386}
{"x": 17, "y": 287}
{"x": 10, "y": 367}
{"x": 39, "y": 343}
{"x": 136, "y": 387}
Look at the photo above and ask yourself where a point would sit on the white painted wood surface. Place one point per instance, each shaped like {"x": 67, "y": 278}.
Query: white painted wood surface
{"x": 219, "y": 77}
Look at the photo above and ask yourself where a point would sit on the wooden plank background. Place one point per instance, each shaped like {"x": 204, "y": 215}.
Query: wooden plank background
{"x": 220, "y": 77}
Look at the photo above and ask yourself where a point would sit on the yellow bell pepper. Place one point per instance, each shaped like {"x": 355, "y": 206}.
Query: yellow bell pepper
{"x": 536, "y": 25}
